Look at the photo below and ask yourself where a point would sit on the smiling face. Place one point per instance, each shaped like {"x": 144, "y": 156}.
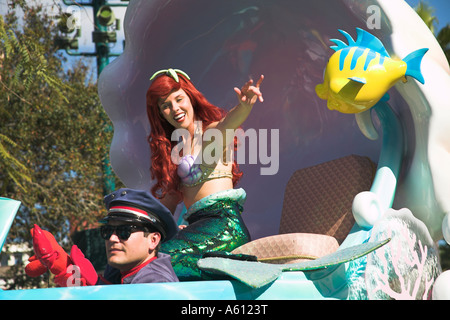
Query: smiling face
{"x": 127, "y": 254}
{"x": 177, "y": 109}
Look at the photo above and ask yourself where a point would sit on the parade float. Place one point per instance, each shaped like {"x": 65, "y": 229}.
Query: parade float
{"x": 357, "y": 174}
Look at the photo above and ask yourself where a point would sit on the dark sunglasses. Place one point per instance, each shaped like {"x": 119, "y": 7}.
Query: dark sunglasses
{"x": 122, "y": 231}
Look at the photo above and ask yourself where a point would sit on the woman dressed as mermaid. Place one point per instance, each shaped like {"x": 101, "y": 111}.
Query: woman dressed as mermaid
{"x": 214, "y": 207}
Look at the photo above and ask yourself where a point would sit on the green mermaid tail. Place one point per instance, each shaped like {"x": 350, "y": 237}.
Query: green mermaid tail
{"x": 257, "y": 274}
{"x": 215, "y": 224}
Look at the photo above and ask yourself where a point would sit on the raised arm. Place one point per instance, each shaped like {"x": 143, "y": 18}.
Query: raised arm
{"x": 247, "y": 97}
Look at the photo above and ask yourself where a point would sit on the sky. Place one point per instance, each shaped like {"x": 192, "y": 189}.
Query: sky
{"x": 442, "y": 10}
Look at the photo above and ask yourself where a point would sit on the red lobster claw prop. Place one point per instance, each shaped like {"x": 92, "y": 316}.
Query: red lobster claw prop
{"x": 73, "y": 270}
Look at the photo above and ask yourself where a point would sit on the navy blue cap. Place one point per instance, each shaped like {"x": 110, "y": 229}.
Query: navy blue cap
{"x": 139, "y": 206}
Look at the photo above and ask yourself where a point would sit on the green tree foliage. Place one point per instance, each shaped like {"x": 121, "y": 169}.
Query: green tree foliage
{"x": 52, "y": 133}
{"x": 426, "y": 13}
{"x": 13, "y": 169}
{"x": 443, "y": 37}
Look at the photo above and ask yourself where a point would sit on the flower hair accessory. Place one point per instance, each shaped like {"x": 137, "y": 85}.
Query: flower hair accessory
{"x": 172, "y": 73}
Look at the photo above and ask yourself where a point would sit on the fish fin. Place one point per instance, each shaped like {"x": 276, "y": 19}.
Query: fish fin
{"x": 413, "y": 61}
{"x": 364, "y": 39}
{"x": 339, "y": 44}
{"x": 358, "y": 79}
{"x": 253, "y": 274}
{"x": 258, "y": 274}
{"x": 365, "y": 124}
{"x": 321, "y": 91}
{"x": 368, "y": 40}
{"x": 342, "y": 255}
{"x": 349, "y": 38}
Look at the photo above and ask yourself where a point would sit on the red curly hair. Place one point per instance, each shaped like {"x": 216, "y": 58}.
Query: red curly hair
{"x": 162, "y": 168}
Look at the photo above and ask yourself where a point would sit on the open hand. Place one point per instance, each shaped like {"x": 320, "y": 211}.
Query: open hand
{"x": 249, "y": 93}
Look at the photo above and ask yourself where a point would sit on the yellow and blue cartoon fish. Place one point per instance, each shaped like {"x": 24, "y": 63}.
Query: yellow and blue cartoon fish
{"x": 359, "y": 74}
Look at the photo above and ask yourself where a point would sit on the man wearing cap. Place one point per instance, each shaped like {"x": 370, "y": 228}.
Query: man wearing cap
{"x": 133, "y": 230}
{"x": 135, "y": 226}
